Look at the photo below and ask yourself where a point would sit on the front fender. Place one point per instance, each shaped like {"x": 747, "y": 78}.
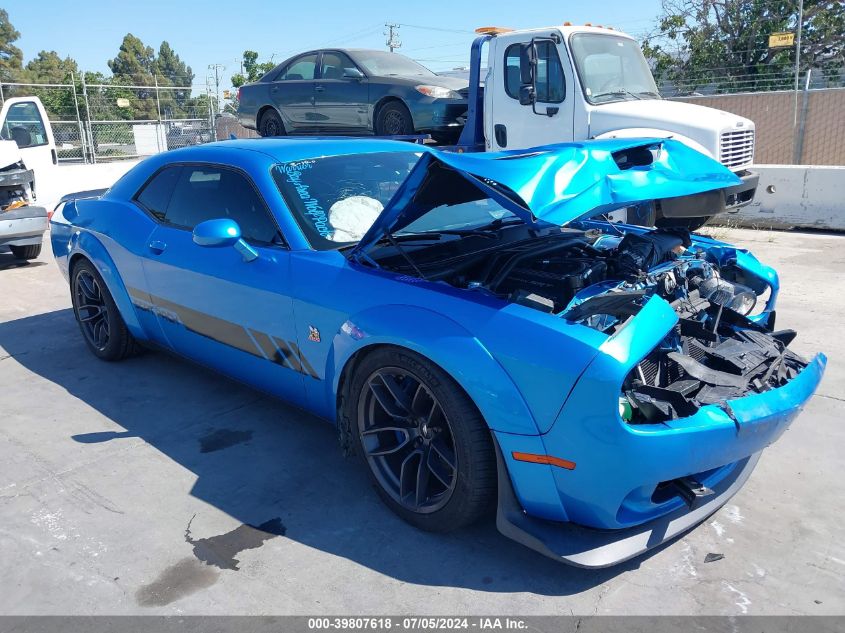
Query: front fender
{"x": 444, "y": 342}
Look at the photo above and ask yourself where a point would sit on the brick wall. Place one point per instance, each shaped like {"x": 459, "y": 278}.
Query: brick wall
{"x": 773, "y": 116}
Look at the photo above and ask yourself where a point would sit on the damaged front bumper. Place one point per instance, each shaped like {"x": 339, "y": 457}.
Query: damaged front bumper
{"x": 634, "y": 484}
{"x": 719, "y": 449}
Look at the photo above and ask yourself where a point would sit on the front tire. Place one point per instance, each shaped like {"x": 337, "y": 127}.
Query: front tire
{"x": 99, "y": 320}
{"x": 394, "y": 120}
{"x": 427, "y": 449}
{"x": 26, "y": 252}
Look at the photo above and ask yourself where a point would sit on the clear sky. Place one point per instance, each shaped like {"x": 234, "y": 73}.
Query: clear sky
{"x": 217, "y": 32}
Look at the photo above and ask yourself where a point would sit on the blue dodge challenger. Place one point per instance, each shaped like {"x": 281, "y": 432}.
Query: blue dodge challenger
{"x": 479, "y": 333}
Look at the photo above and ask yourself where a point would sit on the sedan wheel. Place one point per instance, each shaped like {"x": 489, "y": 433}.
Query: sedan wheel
{"x": 427, "y": 448}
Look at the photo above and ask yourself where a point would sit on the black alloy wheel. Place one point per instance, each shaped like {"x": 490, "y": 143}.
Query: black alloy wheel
{"x": 102, "y": 326}
{"x": 91, "y": 309}
{"x": 428, "y": 450}
{"x": 407, "y": 440}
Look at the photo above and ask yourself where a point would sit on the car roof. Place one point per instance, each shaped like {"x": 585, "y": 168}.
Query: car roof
{"x": 297, "y": 147}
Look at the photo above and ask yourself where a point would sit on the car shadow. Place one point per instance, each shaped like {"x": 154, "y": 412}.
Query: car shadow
{"x": 8, "y": 261}
{"x": 261, "y": 461}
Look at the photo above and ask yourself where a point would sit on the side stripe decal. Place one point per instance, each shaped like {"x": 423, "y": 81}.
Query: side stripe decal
{"x": 284, "y": 353}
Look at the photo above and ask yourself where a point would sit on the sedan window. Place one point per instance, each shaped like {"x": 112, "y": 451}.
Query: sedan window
{"x": 304, "y": 67}
{"x": 334, "y": 64}
{"x": 208, "y": 193}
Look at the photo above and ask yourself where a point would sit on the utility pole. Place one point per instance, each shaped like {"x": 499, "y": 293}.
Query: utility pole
{"x": 216, "y": 68}
{"x": 392, "y": 33}
{"x": 798, "y": 57}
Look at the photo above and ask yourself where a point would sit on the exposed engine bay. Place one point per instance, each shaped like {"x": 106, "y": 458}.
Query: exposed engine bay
{"x": 715, "y": 352}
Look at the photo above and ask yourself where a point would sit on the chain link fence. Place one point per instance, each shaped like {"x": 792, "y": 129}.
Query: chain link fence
{"x": 111, "y": 119}
{"x": 94, "y": 122}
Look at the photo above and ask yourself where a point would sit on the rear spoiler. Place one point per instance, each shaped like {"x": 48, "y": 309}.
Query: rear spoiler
{"x": 77, "y": 195}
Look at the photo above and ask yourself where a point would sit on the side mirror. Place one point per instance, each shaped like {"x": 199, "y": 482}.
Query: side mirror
{"x": 527, "y": 96}
{"x": 527, "y": 62}
{"x": 223, "y": 232}
{"x": 352, "y": 73}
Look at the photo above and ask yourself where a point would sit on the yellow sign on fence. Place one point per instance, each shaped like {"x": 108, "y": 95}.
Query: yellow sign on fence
{"x": 781, "y": 40}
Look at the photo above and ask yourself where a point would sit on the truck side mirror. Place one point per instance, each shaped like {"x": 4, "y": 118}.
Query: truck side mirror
{"x": 527, "y": 96}
{"x": 527, "y": 62}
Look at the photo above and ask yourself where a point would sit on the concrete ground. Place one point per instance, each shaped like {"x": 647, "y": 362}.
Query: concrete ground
{"x": 131, "y": 488}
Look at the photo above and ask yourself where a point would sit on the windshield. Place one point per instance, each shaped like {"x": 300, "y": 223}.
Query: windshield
{"x": 382, "y": 63}
{"x": 336, "y": 199}
{"x": 611, "y": 68}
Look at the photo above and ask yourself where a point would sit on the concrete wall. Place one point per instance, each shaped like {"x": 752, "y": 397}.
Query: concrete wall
{"x": 65, "y": 179}
{"x": 773, "y": 114}
{"x": 794, "y": 196}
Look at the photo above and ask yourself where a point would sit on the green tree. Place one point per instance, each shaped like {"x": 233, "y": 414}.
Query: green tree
{"x": 11, "y": 56}
{"x": 252, "y": 69}
{"x": 170, "y": 66}
{"x": 723, "y": 44}
{"x": 135, "y": 62}
{"x": 172, "y": 71}
{"x": 48, "y": 68}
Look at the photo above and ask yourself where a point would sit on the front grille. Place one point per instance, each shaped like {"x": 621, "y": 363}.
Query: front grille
{"x": 736, "y": 148}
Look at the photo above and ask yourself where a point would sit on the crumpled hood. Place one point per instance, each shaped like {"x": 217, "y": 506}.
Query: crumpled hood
{"x": 559, "y": 184}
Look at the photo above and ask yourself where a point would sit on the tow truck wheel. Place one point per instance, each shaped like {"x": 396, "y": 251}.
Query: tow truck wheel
{"x": 426, "y": 446}
{"x": 26, "y": 252}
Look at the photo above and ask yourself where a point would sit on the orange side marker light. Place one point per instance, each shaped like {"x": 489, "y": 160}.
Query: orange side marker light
{"x": 543, "y": 459}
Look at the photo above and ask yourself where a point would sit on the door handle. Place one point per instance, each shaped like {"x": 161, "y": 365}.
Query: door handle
{"x": 157, "y": 246}
{"x": 319, "y": 88}
{"x": 501, "y": 133}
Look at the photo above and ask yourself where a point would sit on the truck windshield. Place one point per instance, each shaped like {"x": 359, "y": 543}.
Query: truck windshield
{"x": 612, "y": 68}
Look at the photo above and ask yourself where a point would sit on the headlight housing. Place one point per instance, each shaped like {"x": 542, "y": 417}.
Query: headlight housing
{"x": 437, "y": 92}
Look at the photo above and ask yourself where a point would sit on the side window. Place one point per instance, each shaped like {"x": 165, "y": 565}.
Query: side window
{"x": 24, "y": 125}
{"x": 304, "y": 67}
{"x": 334, "y": 65}
{"x": 512, "y": 76}
{"x": 155, "y": 196}
{"x": 549, "y": 81}
{"x": 207, "y": 193}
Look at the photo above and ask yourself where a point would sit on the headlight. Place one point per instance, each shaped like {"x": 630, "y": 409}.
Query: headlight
{"x": 743, "y": 301}
{"x": 438, "y": 92}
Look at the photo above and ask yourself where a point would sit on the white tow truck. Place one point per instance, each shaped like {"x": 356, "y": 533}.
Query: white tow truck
{"x": 572, "y": 83}
{"x": 32, "y": 181}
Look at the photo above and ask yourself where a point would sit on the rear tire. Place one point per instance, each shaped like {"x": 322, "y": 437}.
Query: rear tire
{"x": 271, "y": 124}
{"x": 99, "y": 320}
{"x": 428, "y": 452}
{"x": 26, "y": 252}
{"x": 394, "y": 120}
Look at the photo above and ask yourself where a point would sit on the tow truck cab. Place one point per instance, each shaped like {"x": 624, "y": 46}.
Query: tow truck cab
{"x": 573, "y": 83}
